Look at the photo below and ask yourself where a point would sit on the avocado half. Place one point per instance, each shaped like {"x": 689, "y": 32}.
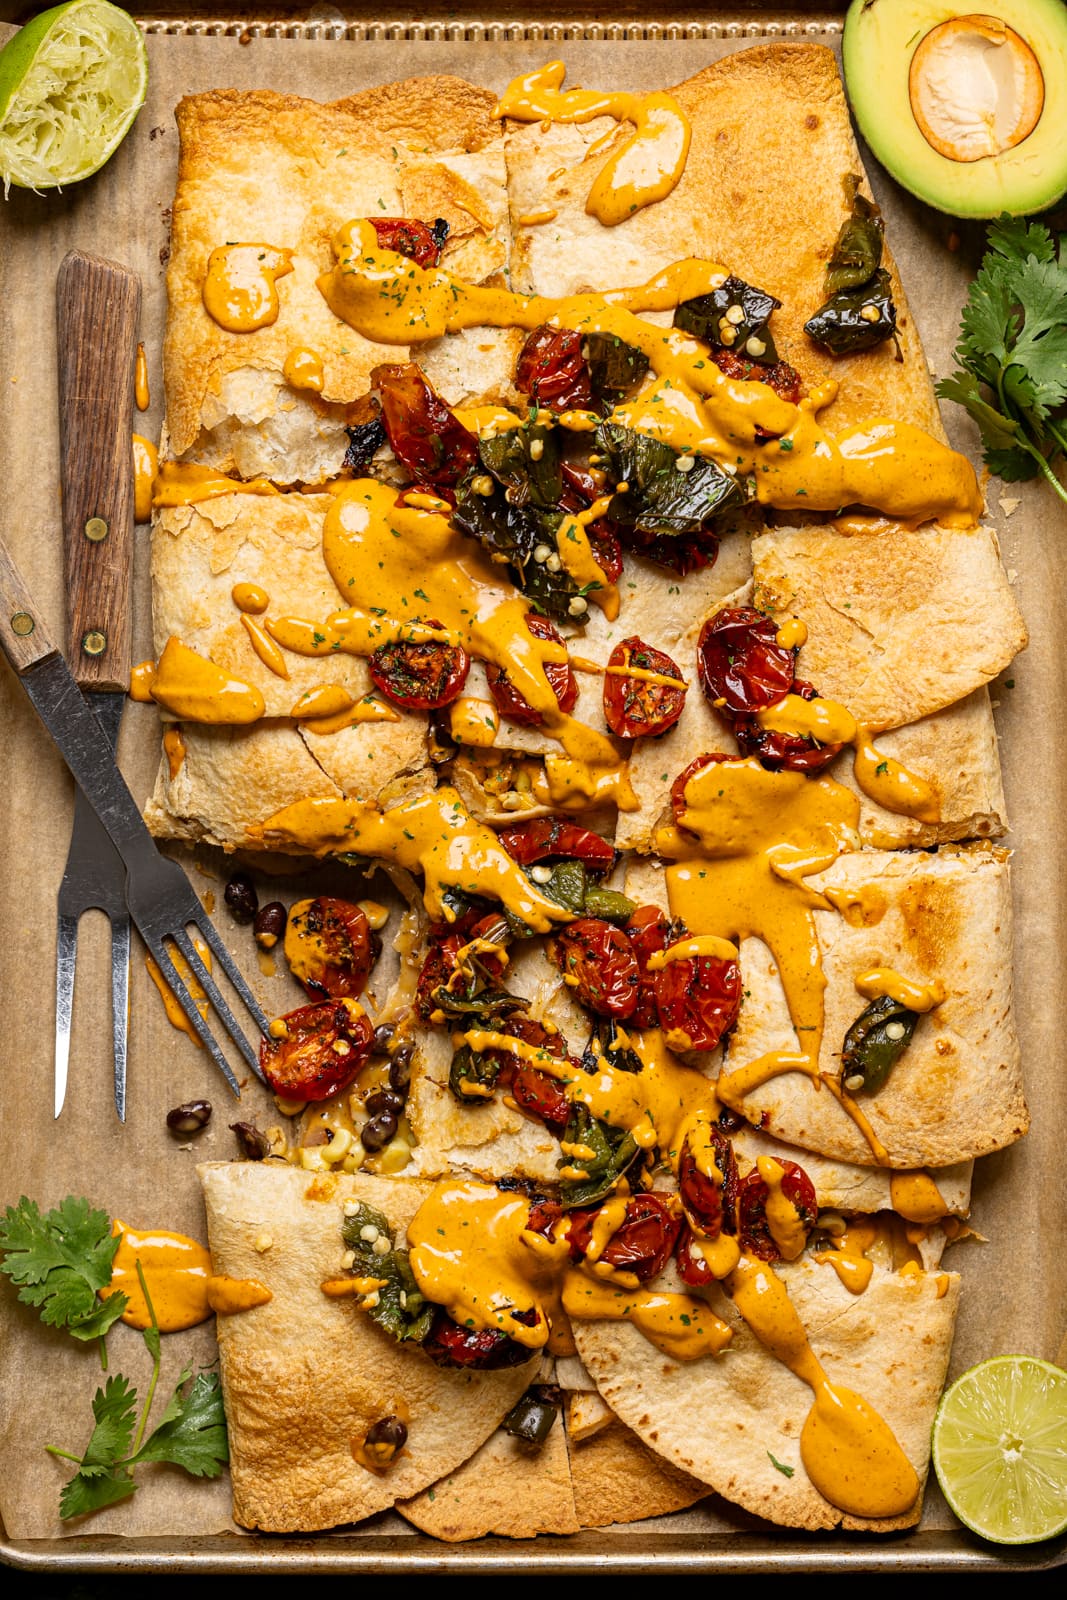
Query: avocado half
{"x": 966, "y": 109}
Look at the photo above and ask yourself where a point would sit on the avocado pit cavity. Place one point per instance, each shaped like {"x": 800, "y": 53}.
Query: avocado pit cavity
{"x": 975, "y": 87}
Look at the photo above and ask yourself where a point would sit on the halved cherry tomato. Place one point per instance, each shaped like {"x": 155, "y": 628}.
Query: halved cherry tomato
{"x": 579, "y": 492}
{"x": 420, "y": 677}
{"x": 642, "y": 1245}
{"x": 553, "y": 839}
{"x": 788, "y": 752}
{"x": 741, "y": 663}
{"x": 599, "y": 960}
{"x": 329, "y": 947}
{"x": 449, "y": 1345}
{"x": 649, "y": 931}
{"x": 411, "y": 238}
{"x": 754, "y": 1236}
{"x": 425, "y": 436}
{"x": 681, "y": 553}
{"x": 781, "y": 377}
{"x": 678, "y": 800}
{"x": 544, "y": 1214}
{"x": 636, "y": 706}
{"x": 552, "y": 370}
{"x": 709, "y": 1205}
{"x": 535, "y": 1092}
{"x": 564, "y": 685}
{"x": 697, "y": 1000}
{"x": 321, "y": 1051}
{"x": 692, "y": 1267}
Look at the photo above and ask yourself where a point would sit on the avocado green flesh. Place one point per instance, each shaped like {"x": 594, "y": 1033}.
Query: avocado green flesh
{"x": 881, "y": 37}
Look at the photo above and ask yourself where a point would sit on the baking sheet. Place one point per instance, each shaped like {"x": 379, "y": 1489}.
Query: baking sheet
{"x": 1013, "y": 1282}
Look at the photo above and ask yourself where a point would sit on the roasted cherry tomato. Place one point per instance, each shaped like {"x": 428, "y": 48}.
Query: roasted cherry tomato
{"x": 556, "y": 839}
{"x": 440, "y": 962}
{"x": 782, "y": 378}
{"x": 329, "y": 947}
{"x": 544, "y": 1214}
{"x": 742, "y": 666}
{"x": 681, "y": 553}
{"x": 649, "y": 932}
{"x": 601, "y": 966}
{"x": 709, "y": 1204}
{"x": 564, "y": 685}
{"x": 579, "y": 492}
{"x": 552, "y": 370}
{"x": 784, "y": 752}
{"x": 638, "y": 704}
{"x": 425, "y": 437}
{"x": 420, "y": 677}
{"x": 322, "y": 1049}
{"x": 411, "y": 238}
{"x": 642, "y": 1245}
{"x": 536, "y": 1093}
{"x": 754, "y": 1235}
{"x": 697, "y": 1000}
{"x": 692, "y": 1267}
{"x": 678, "y": 787}
{"x": 449, "y": 1345}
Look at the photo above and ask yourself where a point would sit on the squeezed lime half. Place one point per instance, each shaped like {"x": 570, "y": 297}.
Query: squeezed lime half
{"x": 999, "y": 1449}
{"x": 71, "y": 83}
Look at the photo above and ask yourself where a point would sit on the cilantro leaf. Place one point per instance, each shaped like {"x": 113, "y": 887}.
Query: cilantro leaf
{"x": 84, "y": 1494}
{"x": 60, "y": 1260}
{"x": 785, "y": 1470}
{"x": 1013, "y": 352}
{"x": 192, "y": 1431}
{"x": 102, "y": 1478}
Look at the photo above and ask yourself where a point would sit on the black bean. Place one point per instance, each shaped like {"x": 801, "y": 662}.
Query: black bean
{"x": 269, "y": 925}
{"x": 378, "y": 1132}
{"x": 384, "y": 1438}
{"x": 383, "y": 1038}
{"x": 192, "y": 1117}
{"x": 400, "y": 1073}
{"x": 384, "y": 1100}
{"x": 241, "y": 898}
{"x": 253, "y": 1143}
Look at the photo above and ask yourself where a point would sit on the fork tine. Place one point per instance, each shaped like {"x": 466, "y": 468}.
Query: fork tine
{"x": 214, "y": 995}
{"x": 233, "y": 973}
{"x": 192, "y": 1011}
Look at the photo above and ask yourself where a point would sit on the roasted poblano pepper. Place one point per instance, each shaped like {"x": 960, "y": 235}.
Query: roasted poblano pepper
{"x": 531, "y": 1417}
{"x": 400, "y": 1308}
{"x": 615, "y": 367}
{"x": 739, "y": 307}
{"x": 875, "y": 1043}
{"x": 859, "y": 312}
{"x": 659, "y": 498}
{"x": 613, "y": 1150}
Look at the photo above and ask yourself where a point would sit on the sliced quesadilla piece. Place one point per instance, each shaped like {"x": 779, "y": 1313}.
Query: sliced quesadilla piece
{"x": 900, "y": 623}
{"x": 306, "y": 1375}
{"x": 762, "y": 194}
{"x": 956, "y": 1090}
{"x": 735, "y": 1420}
{"x": 424, "y": 148}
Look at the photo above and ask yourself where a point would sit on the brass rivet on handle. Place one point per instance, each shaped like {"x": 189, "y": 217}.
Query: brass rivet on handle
{"x": 95, "y": 642}
{"x": 22, "y": 623}
{"x": 96, "y": 529}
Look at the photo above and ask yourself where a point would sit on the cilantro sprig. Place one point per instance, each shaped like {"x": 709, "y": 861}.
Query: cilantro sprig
{"x": 1013, "y": 353}
{"x": 61, "y": 1260}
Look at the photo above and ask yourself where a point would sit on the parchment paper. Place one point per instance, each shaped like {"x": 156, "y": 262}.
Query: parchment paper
{"x": 1013, "y": 1283}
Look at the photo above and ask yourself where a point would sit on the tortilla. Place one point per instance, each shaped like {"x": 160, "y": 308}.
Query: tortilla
{"x": 275, "y": 169}
{"x": 762, "y": 194}
{"x": 304, "y": 1376}
{"x": 751, "y": 1408}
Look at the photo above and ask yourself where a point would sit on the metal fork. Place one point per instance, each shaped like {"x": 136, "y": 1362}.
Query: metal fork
{"x": 161, "y": 900}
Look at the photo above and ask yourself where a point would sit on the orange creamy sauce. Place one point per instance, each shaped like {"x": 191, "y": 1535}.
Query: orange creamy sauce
{"x": 176, "y": 1269}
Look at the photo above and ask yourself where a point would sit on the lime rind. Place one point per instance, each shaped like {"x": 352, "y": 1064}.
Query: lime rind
{"x": 69, "y": 92}
{"x": 999, "y": 1449}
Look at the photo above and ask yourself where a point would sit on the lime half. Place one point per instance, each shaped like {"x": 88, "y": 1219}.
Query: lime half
{"x": 71, "y": 83}
{"x": 1000, "y": 1449}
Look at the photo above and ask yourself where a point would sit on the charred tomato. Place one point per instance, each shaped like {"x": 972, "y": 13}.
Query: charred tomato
{"x": 420, "y": 677}
{"x": 697, "y": 1001}
{"x": 556, "y": 839}
{"x": 425, "y": 436}
{"x": 329, "y": 947}
{"x": 440, "y": 963}
{"x": 693, "y": 1269}
{"x": 320, "y": 1052}
{"x": 709, "y": 1202}
{"x": 564, "y": 685}
{"x": 598, "y": 961}
{"x": 552, "y": 370}
{"x": 649, "y": 932}
{"x": 411, "y": 238}
{"x": 449, "y": 1345}
{"x": 742, "y": 666}
{"x": 644, "y": 692}
{"x": 693, "y": 770}
{"x": 754, "y": 1234}
{"x": 644, "y": 1242}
